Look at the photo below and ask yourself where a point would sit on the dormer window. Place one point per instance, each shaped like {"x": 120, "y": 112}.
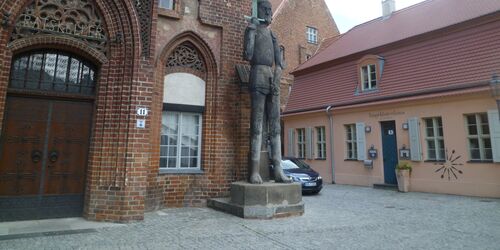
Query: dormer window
{"x": 369, "y": 77}
{"x": 167, "y": 4}
{"x": 370, "y": 69}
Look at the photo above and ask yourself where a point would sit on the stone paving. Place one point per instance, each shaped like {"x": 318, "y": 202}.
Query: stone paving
{"x": 340, "y": 217}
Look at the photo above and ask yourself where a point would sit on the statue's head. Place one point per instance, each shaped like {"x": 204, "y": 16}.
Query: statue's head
{"x": 265, "y": 11}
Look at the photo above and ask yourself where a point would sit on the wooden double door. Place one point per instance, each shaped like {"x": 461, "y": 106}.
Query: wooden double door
{"x": 44, "y": 149}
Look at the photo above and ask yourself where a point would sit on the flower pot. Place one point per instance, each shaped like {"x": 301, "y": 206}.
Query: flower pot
{"x": 403, "y": 177}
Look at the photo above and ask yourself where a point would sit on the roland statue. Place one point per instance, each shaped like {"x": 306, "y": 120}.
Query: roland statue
{"x": 262, "y": 50}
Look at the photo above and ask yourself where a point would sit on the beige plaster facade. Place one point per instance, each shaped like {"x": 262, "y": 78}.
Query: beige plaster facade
{"x": 476, "y": 178}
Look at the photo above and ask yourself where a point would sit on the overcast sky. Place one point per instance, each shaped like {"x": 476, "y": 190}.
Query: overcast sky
{"x": 349, "y": 13}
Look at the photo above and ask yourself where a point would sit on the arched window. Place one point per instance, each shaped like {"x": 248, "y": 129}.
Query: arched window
{"x": 183, "y": 108}
{"x": 53, "y": 71}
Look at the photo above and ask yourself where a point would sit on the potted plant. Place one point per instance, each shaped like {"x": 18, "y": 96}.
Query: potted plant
{"x": 403, "y": 171}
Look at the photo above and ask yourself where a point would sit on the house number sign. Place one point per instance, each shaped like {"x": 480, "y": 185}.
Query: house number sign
{"x": 142, "y": 112}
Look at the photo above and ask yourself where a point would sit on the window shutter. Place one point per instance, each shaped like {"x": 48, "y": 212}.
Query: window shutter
{"x": 361, "y": 141}
{"x": 494, "y": 123}
{"x": 415, "y": 146}
{"x": 309, "y": 149}
{"x": 291, "y": 142}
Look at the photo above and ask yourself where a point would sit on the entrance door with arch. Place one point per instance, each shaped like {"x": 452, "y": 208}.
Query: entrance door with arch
{"x": 45, "y": 136}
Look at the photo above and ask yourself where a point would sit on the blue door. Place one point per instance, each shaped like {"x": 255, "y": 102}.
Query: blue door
{"x": 389, "y": 144}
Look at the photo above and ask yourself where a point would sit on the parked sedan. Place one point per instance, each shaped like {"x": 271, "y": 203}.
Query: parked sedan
{"x": 299, "y": 171}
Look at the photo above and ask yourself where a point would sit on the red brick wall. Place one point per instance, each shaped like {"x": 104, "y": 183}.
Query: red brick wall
{"x": 290, "y": 25}
{"x": 123, "y": 177}
{"x": 217, "y": 33}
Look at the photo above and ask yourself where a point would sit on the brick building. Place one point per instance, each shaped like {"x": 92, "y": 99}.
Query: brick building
{"x": 301, "y": 26}
{"x": 113, "y": 107}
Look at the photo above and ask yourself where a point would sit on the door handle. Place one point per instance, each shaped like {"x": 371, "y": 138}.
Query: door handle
{"x": 53, "y": 156}
{"x": 36, "y": 156}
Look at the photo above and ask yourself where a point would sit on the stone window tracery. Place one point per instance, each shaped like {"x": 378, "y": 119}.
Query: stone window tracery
{"x": 187, "y": 56}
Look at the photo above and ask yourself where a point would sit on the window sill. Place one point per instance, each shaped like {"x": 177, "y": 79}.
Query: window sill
{"x": 320, "y": 159}
{"x": 350, "y": 159}
{"x": 311, "y": 42}
{"x": 437, "y": 161}
{"x": 169, "y": 13}
{"x": 483, "y": 162}
{"x": 181, "y": 171}
{"x": 366, "y": 92}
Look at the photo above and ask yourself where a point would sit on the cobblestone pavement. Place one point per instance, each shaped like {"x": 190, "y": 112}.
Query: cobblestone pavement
{"x": 340, "y": 217}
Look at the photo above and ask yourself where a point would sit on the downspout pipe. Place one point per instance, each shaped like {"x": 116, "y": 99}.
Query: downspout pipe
{"x": 330, "y": 120}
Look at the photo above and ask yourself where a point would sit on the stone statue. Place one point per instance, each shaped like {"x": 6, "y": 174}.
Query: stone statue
{"x": 263, "y": 51}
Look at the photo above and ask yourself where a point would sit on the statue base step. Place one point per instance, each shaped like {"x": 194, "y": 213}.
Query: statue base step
{"x": 261, "y": 201}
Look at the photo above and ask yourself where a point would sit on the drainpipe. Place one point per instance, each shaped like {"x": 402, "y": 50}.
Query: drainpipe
{"x": 330, "y": 119}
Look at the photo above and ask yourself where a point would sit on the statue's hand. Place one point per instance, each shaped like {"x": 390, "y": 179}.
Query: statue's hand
{"x": 254, "y": 22}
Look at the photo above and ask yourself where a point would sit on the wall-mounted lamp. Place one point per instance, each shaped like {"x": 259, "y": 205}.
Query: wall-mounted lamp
{"x": 495, "y": 90}
{"x": 405, "y": 126}
{"x": 368, "y": 129}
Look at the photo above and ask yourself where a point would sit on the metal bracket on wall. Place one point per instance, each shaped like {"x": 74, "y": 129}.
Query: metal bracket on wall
{"x": 5, "y": 19}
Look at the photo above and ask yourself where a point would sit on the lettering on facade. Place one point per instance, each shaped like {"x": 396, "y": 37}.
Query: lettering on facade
{"x": 384, "y": 114}
{"x": 78, "y": 19}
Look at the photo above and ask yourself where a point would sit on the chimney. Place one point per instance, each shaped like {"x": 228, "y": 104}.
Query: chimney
{"x": 388, "y": 6}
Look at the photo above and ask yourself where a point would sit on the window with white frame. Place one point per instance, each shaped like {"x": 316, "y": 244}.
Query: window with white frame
{"x": 301, "y": 143}
{"x": 320, "y": 143}
{"x": 351, "y": 142}
{"x": 478, "y": 137}
{"x": 180, "y": 146}
{"x": 167, "y": 4}
{"x": 312, "y": 35}
{"x": 369, "y": 77}
{"x": 434, "y": 139}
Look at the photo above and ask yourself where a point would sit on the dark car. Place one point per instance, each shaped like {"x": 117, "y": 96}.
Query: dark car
{"x": 299, "y": 171}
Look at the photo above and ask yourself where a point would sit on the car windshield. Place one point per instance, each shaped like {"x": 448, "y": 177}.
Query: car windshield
{"x": 287, "y": 164}
{"x": 301, "y": 164}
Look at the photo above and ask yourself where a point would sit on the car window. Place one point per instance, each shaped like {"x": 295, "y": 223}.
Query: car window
{"x": 301, "y": 164}
{"x": 287, "y": 164}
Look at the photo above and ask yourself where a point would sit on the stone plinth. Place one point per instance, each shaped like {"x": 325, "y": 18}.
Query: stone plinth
{"x": 261, "y": 201}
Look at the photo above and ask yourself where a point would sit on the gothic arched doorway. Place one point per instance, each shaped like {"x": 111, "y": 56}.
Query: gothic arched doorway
{"x": 45, "y": 138}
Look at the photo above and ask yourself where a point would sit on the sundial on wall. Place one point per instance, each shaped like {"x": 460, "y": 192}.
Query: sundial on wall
{"x": 450, "y": 167}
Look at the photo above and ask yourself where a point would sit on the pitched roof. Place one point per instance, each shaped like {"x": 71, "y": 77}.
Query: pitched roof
{"x": 412, "y": 21}
{"x": 461, "y": 59}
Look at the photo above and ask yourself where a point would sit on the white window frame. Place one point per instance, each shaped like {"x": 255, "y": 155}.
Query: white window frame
{"x": 353, "y": 142}
{"x": 480, "y": 136}
{"x": 167, "y": 4}
{"x": 179, "y": 142}
{"x": 321, "y": 142}
{"x": 437, "y": 138}
{"x": 301, "y": 143}
{"x": 368, "y": 81}
{"x": 312, "y": 35}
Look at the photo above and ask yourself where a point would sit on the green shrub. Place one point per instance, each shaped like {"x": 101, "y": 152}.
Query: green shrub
{"x": 404, "y": 165}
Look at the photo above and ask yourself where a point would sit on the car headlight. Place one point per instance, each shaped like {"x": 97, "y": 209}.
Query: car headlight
{"x": 294, "y": 178}
{"x": 320, "y": 178}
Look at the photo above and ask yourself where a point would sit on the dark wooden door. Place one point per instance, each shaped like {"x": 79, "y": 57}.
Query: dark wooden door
{"x": 389, "y": 144}
{"x": 44, "y": 148}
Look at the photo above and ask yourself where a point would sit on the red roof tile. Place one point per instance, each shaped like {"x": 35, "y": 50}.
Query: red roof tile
{"x": 414, "y": 20}
{"x": 456, "y": 59}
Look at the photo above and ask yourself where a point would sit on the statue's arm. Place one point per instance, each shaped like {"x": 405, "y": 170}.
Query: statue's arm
{"x": 278, "y": 53}
{"x": 249, "y": 42}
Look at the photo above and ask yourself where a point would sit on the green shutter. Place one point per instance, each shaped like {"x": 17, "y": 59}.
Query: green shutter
{"x": 309, "y": 149}
{"x": 415, "y": 146}
{"x": 291, "y": 142}
{"x": 494, "y": 123}
{"x": 361, "y": 141}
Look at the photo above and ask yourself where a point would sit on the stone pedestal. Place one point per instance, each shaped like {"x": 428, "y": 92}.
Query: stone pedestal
{"x": 261, "y": 201}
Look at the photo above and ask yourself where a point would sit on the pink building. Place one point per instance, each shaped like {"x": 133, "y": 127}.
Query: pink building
{"x": 413, "y": 86}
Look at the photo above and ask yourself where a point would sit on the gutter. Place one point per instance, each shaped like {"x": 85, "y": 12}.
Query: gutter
{"x": 330, "y": 119}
